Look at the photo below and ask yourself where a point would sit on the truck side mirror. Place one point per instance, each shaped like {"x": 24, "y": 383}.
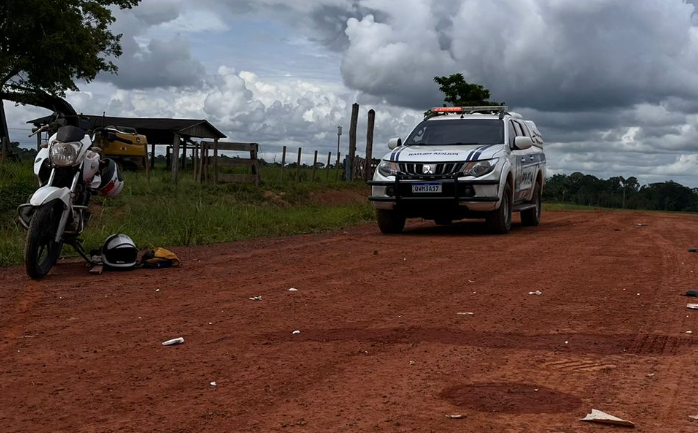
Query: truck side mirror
{"x": 394, "y": 142}
{"x": 523, "y": 143}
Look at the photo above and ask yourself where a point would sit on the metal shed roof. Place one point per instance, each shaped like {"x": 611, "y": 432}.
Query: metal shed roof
{"x": 157, "y": 130}
{"x": 161, "y": 130}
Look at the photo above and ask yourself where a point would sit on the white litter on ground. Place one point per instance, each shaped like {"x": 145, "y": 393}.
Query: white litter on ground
{"x": 467, "y": 313}
{"x": 173, "y": 342}
{"x": 537, "y": 293}
{"x": 600, "y": 417}
{"x": 256, "y": 298}
{"x": 296, "y": 332}
{"x": 292, "y": 289}
{"x": 692, "y": 306}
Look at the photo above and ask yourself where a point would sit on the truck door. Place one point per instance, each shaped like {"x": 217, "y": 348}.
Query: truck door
{"x": 526, "y": 166}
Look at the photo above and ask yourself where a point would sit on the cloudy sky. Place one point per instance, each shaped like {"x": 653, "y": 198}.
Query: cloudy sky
{"x": 612, "y": 84}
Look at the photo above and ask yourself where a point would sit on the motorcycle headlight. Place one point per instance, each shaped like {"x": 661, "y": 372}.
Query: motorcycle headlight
{"x": 64, "y": 154}
{"x": 387, "y": 168}
{"x": 480, "y": 168}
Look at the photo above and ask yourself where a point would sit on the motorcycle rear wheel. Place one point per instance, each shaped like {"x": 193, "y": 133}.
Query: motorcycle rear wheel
{"x": 41, "y": 251}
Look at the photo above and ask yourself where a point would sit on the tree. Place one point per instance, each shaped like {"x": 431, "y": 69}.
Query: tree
{"x": 460, "y": 93}
{"x": 45, "y": 45}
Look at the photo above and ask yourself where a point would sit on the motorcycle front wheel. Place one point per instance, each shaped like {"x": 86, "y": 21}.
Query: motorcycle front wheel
{"x": 41, "y": 251}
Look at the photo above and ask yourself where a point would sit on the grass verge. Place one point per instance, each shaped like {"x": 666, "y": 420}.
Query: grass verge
{"x": 159, "y": 213}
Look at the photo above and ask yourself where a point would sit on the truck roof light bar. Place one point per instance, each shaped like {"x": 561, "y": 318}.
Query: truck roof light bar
{"x": 499, "y": 109}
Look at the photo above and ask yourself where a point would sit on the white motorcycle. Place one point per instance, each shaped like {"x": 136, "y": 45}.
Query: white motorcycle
{"x": 69, "y": 172}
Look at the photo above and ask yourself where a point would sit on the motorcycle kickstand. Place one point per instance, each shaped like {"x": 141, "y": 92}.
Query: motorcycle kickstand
{"x": 77, "y": 245}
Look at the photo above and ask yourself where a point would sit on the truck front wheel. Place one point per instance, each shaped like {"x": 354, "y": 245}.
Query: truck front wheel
{"x": 390, "y": 221}
{"x": 499, "y": 221}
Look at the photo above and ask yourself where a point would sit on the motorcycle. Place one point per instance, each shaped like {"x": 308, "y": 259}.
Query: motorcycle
{"x": 70, "y": 171}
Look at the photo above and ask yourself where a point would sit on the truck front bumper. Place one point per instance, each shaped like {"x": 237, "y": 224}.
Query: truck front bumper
{"x": 466, "y": 195}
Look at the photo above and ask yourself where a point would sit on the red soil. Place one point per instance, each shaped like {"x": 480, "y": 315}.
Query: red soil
{"x": 382, "y": 346}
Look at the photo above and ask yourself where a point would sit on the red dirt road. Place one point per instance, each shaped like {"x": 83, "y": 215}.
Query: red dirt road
{"x": 382, "y": 346}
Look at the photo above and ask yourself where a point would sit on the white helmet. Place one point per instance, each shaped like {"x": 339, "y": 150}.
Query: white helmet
{"x": 112, "y": 179}
{"x": 119, "y": 251}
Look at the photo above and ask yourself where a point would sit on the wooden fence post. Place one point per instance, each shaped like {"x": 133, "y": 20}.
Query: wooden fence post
{"x": 369, "y": 144}
{"x": 215, "y": 160}
{"x": 200, "y": 162}
{"x": 283, "y": 163}
{"x": 329, "y": 161}
{"x": 314, "y": 165}
{"x": 349, "y": 169}
{"x": 298, "y": 167}
{"x": 194, "y": 157}
{"x": 337, "y": 165}
{"x": 175, "y": 158}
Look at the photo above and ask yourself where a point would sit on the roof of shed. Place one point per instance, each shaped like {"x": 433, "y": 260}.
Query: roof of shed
{"x": 157, "y": 130}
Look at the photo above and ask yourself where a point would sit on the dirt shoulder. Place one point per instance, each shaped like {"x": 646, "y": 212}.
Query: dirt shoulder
{"x": 382, "y": 346}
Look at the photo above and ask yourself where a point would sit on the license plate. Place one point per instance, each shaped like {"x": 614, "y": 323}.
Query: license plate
{"x": 426, "y": 188}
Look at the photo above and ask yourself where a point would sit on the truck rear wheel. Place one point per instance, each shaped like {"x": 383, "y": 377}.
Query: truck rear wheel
{"x": 499, "y": 221}
{"x": 531, "y": 217}
{"x": 390, "y": 221}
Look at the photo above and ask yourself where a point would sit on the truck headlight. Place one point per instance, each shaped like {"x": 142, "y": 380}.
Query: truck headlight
{"x": 387, "y": 168}
{"x": 64, "y": 154}
{"x": 480, "y": 168}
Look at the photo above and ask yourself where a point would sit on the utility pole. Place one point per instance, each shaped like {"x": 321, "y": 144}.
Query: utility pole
{"x": 339, "y": 135}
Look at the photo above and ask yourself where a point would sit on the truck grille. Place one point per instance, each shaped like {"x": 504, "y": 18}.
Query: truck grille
{"x": 437, "y": 169}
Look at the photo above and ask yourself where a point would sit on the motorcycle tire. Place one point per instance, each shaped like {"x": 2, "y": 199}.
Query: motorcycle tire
{"x": 41, "y": 251}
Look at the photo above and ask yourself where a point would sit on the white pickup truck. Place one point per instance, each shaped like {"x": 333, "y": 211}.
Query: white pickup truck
{"x": 462, "y": 162}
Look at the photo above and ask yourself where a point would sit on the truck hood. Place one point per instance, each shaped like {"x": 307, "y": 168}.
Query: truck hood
{"x": 443, "y": 154}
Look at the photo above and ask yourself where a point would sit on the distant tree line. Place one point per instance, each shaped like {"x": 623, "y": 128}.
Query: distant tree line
{"x": 619, "y": 192}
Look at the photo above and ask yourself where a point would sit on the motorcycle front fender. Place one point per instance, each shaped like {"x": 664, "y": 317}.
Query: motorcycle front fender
{"x": 47, "y": 194}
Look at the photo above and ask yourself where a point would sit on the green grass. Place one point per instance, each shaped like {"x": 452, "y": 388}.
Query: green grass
{"x": 159, "y": 213}
{"x": 554, "y": 207}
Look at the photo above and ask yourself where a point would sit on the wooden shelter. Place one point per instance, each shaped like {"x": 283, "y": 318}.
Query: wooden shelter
{"x": 178, "y": 133}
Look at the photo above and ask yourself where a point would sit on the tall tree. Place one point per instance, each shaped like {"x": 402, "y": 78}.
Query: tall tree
{"x": 460, "y": 93}
{"x": 45, "y": 45}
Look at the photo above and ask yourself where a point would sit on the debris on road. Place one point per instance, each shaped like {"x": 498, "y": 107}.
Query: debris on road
{"x": 292, "y": 289}
{"x": 459, "y": 416}
{"x": 692, "y": 306}
{"x": 256, "y": 298}
{"x": 467, "y": 313}
{"x": 537, "y": 293}
{"x": 692, "y": 293}
{"x": 411, "y": 362}
{"x": 693, "y": 250}
{"x": 173, "y": 342}
{"x": 695, "y": 417}
{"x": 689, "y": 332}
{"x": 642, "y": 225}
{"x": 213, "y": 384}
{"x": 296, "y": 332}
{"x": 600, "y": 417}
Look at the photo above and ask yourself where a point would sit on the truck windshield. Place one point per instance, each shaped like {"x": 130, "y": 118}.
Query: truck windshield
{"x": 455, "y": 132}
